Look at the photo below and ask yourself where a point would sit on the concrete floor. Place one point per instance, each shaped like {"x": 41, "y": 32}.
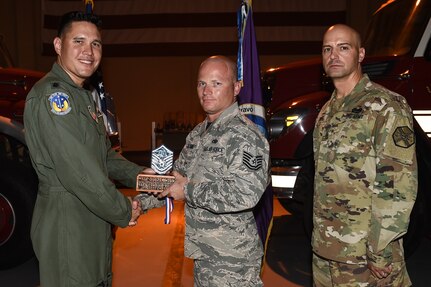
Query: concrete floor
{"x": 151, "y": 254}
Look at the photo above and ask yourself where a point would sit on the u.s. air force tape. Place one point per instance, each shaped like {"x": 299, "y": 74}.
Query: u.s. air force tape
{"x": 252, "y": 162}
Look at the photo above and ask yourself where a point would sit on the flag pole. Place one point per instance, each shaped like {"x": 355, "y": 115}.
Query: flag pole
{"x": 89, "y": 5}
{"x": 250, "y": 101}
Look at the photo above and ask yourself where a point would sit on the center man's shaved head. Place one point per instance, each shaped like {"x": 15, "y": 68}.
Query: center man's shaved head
{"x": 230, "y": 64}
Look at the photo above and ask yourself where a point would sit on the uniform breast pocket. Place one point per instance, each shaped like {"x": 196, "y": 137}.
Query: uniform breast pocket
{"x": 212, "y": 162}
{"x": 351, "y": 140}
{"x": 92, "y": 131}
{"x": 343, "y": 127}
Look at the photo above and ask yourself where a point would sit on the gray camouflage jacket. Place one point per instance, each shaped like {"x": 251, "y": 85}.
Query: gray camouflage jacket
{"x": 227, "y": 168}
{"x": 366, "y": 176}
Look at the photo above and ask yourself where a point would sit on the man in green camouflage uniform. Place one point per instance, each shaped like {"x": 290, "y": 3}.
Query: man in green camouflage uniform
{"x": 221, "y": 173}
{"x": 366, "y": 174}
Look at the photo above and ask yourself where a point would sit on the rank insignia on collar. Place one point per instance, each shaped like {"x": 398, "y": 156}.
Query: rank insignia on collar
{"x": 60, "y": 104}
{"x": 403, "y": 137}
{"x": 252, "y": 162}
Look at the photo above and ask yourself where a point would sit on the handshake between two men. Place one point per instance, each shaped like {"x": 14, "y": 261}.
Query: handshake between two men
{"x": 156, "y": 185}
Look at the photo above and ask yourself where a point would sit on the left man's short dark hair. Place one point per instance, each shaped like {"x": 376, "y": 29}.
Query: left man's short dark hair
{"x": 77, "y": 16}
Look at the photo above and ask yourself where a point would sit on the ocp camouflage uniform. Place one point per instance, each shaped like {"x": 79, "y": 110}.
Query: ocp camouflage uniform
{"x": 227, "y": 168}
{"x": 366, "y": 178}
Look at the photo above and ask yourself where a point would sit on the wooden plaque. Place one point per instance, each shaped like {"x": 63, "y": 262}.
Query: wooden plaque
{"x": 153, "y": 183}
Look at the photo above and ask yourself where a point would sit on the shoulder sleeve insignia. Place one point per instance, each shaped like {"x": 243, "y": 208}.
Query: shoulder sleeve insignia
{"x": 60, "y": 104}
{"x": 252, "y": 162}
{"x": 403, "y": 137}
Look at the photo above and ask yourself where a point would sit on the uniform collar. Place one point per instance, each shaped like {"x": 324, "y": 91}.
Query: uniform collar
{"x": 225, "y": 116}
{"x": 61, "y": 73}
{"x": 360, "y": 86}
{"x": 353, "y": 95}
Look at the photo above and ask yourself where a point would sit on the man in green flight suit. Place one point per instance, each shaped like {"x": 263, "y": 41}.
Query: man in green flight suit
{"x": 77, "y": 201}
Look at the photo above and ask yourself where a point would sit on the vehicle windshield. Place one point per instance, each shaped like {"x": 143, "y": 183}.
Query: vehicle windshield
{"x": 396, "y": 29}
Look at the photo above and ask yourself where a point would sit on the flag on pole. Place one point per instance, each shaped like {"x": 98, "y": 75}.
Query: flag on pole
{"x": 96, "y": 80}
{"x": 111, "y": 124}
{"x": 250, "y": 100}
{"x": 89, "y": 5}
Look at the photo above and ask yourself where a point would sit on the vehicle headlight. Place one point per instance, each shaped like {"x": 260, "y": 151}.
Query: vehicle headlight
{"x": 281, "y": 121}
{"x": 290, "y": 120}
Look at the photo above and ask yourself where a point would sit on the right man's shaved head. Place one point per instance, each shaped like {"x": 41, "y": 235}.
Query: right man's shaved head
{"x": 356, "y": 38}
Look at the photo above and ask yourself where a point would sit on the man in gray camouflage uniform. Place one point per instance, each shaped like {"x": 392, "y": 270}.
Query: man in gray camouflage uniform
{"x": 221, "y": 174}
{"x": 366, "y": 174}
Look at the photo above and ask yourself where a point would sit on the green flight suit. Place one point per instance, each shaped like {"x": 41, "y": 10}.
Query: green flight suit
{"x": 77, "y": 202}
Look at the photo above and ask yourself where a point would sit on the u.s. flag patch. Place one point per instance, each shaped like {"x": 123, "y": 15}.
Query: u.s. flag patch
{"x": 252, "y": 162}
{"x": 59, "y": 103}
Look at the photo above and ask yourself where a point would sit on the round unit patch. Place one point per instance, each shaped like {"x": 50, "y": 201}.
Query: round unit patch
{"x": 59, "y": 103}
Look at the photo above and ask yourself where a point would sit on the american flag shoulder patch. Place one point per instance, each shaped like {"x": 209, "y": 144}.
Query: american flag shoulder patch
{"x": 252, "y": 162}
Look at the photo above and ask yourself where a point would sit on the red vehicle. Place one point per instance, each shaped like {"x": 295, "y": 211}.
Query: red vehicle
{"x": 18, "y": 181}
{"x": 398, "y": 56}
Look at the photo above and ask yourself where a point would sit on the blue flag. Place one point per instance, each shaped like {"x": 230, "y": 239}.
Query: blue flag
{"x": 250, "y": 100}
{"x": 89, "y": 4}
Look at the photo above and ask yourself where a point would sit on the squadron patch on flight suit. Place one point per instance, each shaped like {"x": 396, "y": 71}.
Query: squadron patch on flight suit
{"x": 403, "y": 137}
{"x": 252, "y": 162}
{"x": 59, "y": 103}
